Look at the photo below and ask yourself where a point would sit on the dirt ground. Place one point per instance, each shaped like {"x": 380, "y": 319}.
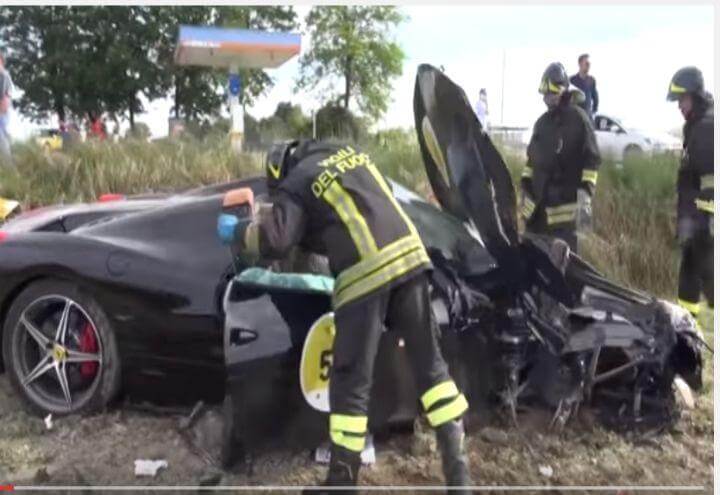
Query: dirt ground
{"x": 101, "y": 449}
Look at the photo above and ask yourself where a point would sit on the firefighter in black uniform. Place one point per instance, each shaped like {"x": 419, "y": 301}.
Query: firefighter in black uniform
{"x": 695, "y": 204}
{"x": 332, "y": 200}
{"x": 561, "y": 172}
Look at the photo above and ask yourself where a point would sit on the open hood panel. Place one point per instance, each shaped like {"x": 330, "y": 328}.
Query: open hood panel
{"x": 466, "y": 172}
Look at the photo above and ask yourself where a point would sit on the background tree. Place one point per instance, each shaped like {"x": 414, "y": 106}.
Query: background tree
{"x": 353, "y": 43}
{"x": 75, "y": 60}
{"x": 82, "y": 59}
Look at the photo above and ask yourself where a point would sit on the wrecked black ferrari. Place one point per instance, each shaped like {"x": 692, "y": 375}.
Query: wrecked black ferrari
{"x": 114, "y": 296}
{"x": 525, "y": 322}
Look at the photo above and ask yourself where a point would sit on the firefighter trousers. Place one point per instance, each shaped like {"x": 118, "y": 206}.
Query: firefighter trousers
{"x": 359, "y": 325}
{"x": 696, "y": 273}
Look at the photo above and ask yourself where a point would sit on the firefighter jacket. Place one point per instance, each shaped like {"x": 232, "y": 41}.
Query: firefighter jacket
{"x": 695, "y": 175}
{"x": 562, "y": 157}
{"x": 335, "y": 202}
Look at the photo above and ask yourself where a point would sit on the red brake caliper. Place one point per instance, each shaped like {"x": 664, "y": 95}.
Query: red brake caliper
{"x": 88, "y": 343}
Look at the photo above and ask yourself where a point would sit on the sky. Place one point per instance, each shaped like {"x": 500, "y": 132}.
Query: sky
{"x": 634, "y": 50}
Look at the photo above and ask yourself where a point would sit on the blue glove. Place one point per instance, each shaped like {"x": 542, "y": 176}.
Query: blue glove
{"x": 226, "y": 227}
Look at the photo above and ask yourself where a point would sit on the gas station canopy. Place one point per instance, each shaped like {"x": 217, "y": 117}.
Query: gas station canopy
{"x": 241, "y": 48}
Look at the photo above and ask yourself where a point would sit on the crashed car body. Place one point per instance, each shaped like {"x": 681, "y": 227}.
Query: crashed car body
{"x": 131, "y": 293}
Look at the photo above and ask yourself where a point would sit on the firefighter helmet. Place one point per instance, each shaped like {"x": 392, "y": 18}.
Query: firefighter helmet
{"x": 278, "y": 162}
{"x": 688, "y": 80}
{"x": 554, "y": 79}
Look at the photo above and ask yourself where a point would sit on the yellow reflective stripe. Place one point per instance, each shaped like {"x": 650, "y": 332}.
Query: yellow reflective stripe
{"x": 391, "y": 197}
{"x": 707, "y": 181}
{"x": 674, "y": 88}
{"x": 705, "y": 205}
{"x": 448, "y": 412}
{"x": 527, "y": 171}
{"x": 361, "y": 269}
{"x": 561, "y": 218}
{"x": 348, "y": 424}
{"x": 693, "y": 308}
{"x": 553, "y": 88}
{"x": 350, "y": 442}
{"x": 443, "y": 390}
{"x": 346, "y": 209}
{"x": 590, "y": 176}
{"x": 566, "y": 208}
{"x": 385, "y": 275}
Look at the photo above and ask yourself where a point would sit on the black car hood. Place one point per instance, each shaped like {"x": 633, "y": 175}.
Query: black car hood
{"x": 466, "y": 172}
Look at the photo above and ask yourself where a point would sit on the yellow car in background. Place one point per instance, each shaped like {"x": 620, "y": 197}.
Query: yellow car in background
{"x": 49, "y": 140}
{"x": 7, "y": 208}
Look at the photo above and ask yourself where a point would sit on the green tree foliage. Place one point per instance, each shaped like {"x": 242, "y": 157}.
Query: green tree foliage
{"x": 81, "y": 59}
{"x": 354, "y": 44}
{"x": 337, "y": 122}
{"x": 288, "y": 122}
{"x": 75, "y": 60}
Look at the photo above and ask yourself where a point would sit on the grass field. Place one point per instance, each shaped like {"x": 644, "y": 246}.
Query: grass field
{"x": 633, "y": 243}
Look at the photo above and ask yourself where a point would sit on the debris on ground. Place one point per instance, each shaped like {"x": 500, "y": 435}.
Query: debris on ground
{"x": 48, "y": 422}
{"x": 149, "y": 467}
{"x": 546, "y": 471}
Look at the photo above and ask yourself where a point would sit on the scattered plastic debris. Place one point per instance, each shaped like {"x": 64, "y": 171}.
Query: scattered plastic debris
{"x": 685, "y": 393}
{"x": 546, "y": 471}
{"x": 147, "y": 467}
{"x": 49, "y": 422}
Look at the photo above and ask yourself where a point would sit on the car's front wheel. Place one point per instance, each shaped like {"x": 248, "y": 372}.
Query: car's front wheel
{"x": 632, "y": 152}
{"x": 59, "y": 350}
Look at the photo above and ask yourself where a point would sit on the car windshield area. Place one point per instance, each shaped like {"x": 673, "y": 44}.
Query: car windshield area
{"x": 606, "y": 124}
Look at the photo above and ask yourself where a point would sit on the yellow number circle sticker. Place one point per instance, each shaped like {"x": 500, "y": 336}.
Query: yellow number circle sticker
{"x": 316, "y": 362}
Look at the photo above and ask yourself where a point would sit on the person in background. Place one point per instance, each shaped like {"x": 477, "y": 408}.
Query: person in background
{"x": 559, "y": 178}
{"x": 587, "y": 84}
{"x": 6, "y": 86}
{"x": 97, "y": 126}
{"x": 481, "y": 109}
{"x": 695, "y": 188}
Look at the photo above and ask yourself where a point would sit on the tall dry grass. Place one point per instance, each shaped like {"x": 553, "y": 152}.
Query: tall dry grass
{"x": 634, "y": 205}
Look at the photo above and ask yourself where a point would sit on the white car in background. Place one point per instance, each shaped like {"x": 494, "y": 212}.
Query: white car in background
{"x": 618, "y": 142}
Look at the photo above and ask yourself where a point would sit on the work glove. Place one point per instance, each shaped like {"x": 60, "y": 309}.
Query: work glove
{"x": 685, "y": 230}
{"x": 231, "y": 229}
{"x": 584, "y": 211}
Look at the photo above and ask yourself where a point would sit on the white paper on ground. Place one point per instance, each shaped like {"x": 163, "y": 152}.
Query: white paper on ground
{"x": 147, "y": 467}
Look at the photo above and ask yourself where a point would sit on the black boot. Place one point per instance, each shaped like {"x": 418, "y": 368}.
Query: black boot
{"x": 450, "y": 440}
{"x": 343, "y": 471}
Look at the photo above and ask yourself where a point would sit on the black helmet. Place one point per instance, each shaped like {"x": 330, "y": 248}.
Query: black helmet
{"x": 278, "y": 162}
{"x": 554, "y": 79}
{"x": 688, "y": 80}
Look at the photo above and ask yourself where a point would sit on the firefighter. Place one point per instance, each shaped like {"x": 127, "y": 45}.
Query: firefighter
{"x": 695, "y": 203}
{"x": 331, "y": 199}
{"x": 561, "y": 172}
